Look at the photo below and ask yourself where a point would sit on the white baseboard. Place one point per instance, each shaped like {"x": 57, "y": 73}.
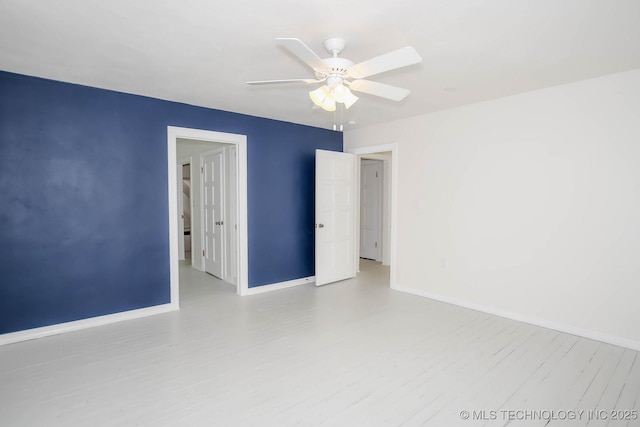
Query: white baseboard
{"x": 569, "y": 329}
{"x": 281, "y": 285}
{"x": 61, "y": 328}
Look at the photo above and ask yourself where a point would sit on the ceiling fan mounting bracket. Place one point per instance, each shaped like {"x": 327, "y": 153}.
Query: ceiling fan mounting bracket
{"x": 334, "y": 45}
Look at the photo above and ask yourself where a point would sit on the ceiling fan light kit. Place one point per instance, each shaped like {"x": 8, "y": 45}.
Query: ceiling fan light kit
{"x": 326, "y": 96}
{"x": 338, "y": 73}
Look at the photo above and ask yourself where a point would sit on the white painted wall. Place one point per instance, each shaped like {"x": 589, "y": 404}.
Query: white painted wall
{"x": 527, "y": 206}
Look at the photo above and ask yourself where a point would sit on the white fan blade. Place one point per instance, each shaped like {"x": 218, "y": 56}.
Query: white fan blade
{"x": 269, "y": 82}
{"x": 389, "y": 61}
{"x": 302, "y": 51}
{"x": 379, "y": 89}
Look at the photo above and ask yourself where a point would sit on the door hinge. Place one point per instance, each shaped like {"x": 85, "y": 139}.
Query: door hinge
{"x": 376, "y": 244}
{"x": 376, "y": 174}
{"x": 203, "y": 252}
{"x": 202, "y": 169}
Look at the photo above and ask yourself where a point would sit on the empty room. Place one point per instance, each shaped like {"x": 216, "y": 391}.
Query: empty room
{"x": 413, "y": 213}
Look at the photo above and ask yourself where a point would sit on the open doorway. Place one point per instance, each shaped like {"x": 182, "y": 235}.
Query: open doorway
{"x": 376, "y": 213}
{"x": 207, "y": 221}
{"x": 375, "y": 207}
{"x": 190, "y": 147}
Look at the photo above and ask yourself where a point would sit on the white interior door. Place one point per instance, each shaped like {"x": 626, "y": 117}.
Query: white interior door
{"x": 335, "y": 216}
{"x": 213, "y": 212}
{"x": 370, "y": 209}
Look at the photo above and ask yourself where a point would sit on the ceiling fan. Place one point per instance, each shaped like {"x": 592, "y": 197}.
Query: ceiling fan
{"x": 340, "y": 74}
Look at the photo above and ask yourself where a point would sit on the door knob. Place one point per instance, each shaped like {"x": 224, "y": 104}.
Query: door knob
{"x": 320, "y": 225}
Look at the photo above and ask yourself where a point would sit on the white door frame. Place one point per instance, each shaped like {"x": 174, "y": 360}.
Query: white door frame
{"x": 393, "y": 148}
{"x": 180, "y": 213}
{"x": 231, "y": 202}
{"x": 240, "y": 141}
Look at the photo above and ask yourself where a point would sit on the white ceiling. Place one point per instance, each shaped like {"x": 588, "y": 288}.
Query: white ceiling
{"x": 201, "y": 52}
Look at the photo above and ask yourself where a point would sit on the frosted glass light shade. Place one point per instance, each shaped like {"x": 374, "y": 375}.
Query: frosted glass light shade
{"x": 328, "y": 104}
{"x": 319, "y": 95}
{"x": 349, "y": 99}
{"x": 339, "y": 92}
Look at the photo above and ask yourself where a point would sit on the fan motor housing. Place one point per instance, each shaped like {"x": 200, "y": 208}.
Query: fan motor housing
{"x": 337, "y": 66}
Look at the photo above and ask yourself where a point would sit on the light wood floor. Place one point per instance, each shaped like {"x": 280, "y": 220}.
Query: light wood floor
{"x": 353, "y": 353}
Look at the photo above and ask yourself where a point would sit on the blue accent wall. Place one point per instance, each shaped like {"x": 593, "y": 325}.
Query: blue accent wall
{"x": 83, "y": 198}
